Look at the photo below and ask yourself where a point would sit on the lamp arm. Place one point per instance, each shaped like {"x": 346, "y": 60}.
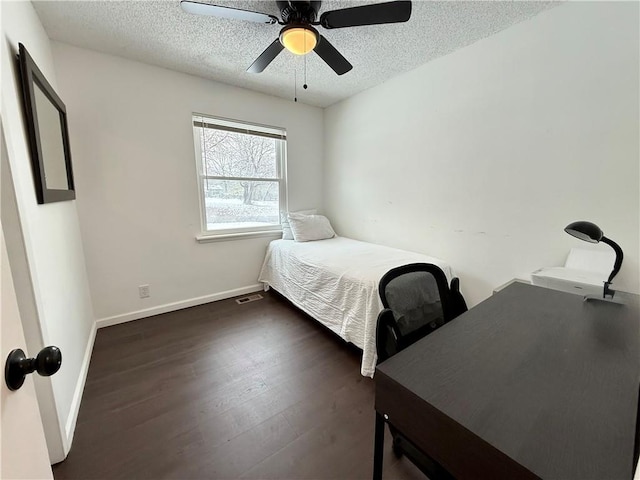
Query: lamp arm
{"x": 619, "y": 256}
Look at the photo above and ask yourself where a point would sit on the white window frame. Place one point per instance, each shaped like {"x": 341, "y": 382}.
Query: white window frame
{"x": 274, "y": 230}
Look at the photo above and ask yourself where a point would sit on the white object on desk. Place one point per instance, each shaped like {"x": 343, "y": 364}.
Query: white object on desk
{"x": 584, "y": 272}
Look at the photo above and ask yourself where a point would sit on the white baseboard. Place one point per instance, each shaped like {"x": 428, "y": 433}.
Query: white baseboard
{"x": 70, "y": 426}
{"x": 170, "y": 307}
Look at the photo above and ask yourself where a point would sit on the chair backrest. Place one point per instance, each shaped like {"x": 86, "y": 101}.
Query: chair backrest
{"x": 417, "y": 301}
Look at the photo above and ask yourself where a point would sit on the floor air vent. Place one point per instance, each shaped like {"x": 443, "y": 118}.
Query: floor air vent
{"x": 250, "y": 298}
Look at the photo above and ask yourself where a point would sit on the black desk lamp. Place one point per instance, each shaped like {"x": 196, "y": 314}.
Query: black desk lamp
{"x": 590, "y": 232}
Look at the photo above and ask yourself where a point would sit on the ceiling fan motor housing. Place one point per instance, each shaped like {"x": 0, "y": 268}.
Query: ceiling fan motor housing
{"x": 298, "y": 11}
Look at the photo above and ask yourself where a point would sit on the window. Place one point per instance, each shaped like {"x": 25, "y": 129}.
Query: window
{"x": 241, "y": 175}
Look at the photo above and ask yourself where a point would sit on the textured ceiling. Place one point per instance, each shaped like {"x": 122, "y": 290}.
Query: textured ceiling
{"x": 160, "y": 33}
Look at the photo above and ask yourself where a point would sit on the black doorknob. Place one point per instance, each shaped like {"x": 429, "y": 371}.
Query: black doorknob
{"x": 18, "y": 366}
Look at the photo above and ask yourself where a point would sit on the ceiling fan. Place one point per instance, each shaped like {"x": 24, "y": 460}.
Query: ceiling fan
{"x": 298, "y": 34}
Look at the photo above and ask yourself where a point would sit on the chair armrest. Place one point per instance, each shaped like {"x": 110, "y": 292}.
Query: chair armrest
{"x": 386, "y": 335}
{"x": 458, "y": 304}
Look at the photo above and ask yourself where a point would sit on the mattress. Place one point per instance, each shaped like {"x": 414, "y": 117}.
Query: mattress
{"x": 336, "y": 282}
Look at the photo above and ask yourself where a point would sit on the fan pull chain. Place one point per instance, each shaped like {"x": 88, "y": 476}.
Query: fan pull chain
{"x": 295, "y": 86}
{"x": 305, "y": 69}
{"x": 304, "y": 85}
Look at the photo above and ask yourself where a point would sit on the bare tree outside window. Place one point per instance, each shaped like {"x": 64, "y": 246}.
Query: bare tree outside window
{"x": 241, "y": 174}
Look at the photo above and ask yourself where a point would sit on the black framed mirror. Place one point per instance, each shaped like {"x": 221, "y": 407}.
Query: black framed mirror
{"x": 46, "y": 118}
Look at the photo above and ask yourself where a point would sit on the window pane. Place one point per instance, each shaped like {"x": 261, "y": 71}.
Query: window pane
{"x": 230, "y": 154}
{"x": 236, "y": 204}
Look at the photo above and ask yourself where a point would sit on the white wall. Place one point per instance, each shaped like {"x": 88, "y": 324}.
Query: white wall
{"x": 132, "y": 140}
{"x": 44, "y": 245}
{"x": 483, "y": 156}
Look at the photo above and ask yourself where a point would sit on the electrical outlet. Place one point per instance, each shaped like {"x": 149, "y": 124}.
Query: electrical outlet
{"x": 143, "y": 290}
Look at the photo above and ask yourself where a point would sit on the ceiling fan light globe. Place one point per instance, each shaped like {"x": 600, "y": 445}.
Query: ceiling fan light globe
{"x": 299, "y": 40}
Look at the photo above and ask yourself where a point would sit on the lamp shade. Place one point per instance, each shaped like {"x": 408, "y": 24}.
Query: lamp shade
{"x": 587, "y": 231}
{"x": 299, "y": 39}
{"x": 590, "y": 232}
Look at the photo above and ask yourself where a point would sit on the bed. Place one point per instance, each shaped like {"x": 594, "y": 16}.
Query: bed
{"x": 336, "y": 282}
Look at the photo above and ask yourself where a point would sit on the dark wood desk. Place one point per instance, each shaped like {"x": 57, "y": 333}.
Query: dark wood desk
{"x": 531, "y": 383}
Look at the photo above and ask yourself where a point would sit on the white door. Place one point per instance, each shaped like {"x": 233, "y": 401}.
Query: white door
{"x": 23, "y": 448}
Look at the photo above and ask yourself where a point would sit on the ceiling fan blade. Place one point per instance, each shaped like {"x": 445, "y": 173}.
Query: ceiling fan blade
{"x": 376, "y": 14}
{"x": 226, "y": 12}
{"x": 331, "y": 56}
{"x": 266, "y": 57}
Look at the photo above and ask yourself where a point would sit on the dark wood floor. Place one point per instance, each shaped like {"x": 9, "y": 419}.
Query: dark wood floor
{"x": 223, "y": 390}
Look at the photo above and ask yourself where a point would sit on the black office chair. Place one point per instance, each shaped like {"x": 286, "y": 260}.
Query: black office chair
{"x": 417, "y": 301}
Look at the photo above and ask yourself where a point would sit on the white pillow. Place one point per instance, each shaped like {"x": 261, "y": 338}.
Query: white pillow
{"x": 287, "y": 234}
{"x": 306, "y": 228}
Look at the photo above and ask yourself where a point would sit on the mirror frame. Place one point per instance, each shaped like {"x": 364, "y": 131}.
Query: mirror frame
{"x": 32, "y": 77}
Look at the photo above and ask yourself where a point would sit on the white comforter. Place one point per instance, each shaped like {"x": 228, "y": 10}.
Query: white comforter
{"x": 336, "y": 282}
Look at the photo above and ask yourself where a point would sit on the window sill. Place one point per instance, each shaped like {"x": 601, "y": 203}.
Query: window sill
{"x": 225, "y": 237}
